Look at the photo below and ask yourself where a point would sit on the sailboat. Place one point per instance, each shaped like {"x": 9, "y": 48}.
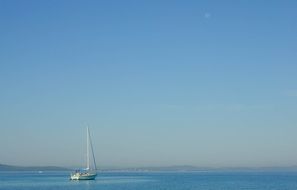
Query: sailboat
{"x": 88, "y": 173}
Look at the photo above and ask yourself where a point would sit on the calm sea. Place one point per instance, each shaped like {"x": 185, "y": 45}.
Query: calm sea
{"x": 152, "y": 181}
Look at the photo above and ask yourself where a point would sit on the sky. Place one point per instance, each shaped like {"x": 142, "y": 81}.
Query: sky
{"x": 160, "y": 83}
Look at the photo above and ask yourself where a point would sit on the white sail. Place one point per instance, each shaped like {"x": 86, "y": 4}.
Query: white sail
{"x": 91, "y": 162}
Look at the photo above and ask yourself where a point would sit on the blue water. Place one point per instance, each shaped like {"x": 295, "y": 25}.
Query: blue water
{"x": 152, "y": 181}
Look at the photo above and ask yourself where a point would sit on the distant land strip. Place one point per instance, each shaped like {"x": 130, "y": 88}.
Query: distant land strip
{"x": 4, "y": 167}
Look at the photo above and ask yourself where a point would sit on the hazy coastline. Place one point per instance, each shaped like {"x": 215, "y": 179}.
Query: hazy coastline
{"x": 185, "y": 168}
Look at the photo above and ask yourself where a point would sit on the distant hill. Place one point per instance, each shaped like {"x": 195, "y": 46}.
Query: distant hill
{"x": 162, "y": 168}
{"x": 4, "y": 167}
{"x": 185, "y": 168}
{"x": 203, "y": 169}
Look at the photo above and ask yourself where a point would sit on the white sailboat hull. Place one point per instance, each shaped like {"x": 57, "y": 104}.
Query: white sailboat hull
{"x": 83, "y": 176}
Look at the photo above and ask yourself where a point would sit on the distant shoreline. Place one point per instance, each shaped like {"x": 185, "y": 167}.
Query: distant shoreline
{"x": 4, "y": 167}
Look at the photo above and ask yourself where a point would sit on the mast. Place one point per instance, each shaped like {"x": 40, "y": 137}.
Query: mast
{"x": 95, "y": 167}
{"x": 88, "y": 159}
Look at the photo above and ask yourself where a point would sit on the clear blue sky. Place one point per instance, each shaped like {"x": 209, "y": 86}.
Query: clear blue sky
{"x": 205, "y": 83}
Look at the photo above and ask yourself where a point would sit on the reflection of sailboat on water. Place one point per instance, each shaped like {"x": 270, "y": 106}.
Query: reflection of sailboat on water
{"x": 89, "y": 173}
